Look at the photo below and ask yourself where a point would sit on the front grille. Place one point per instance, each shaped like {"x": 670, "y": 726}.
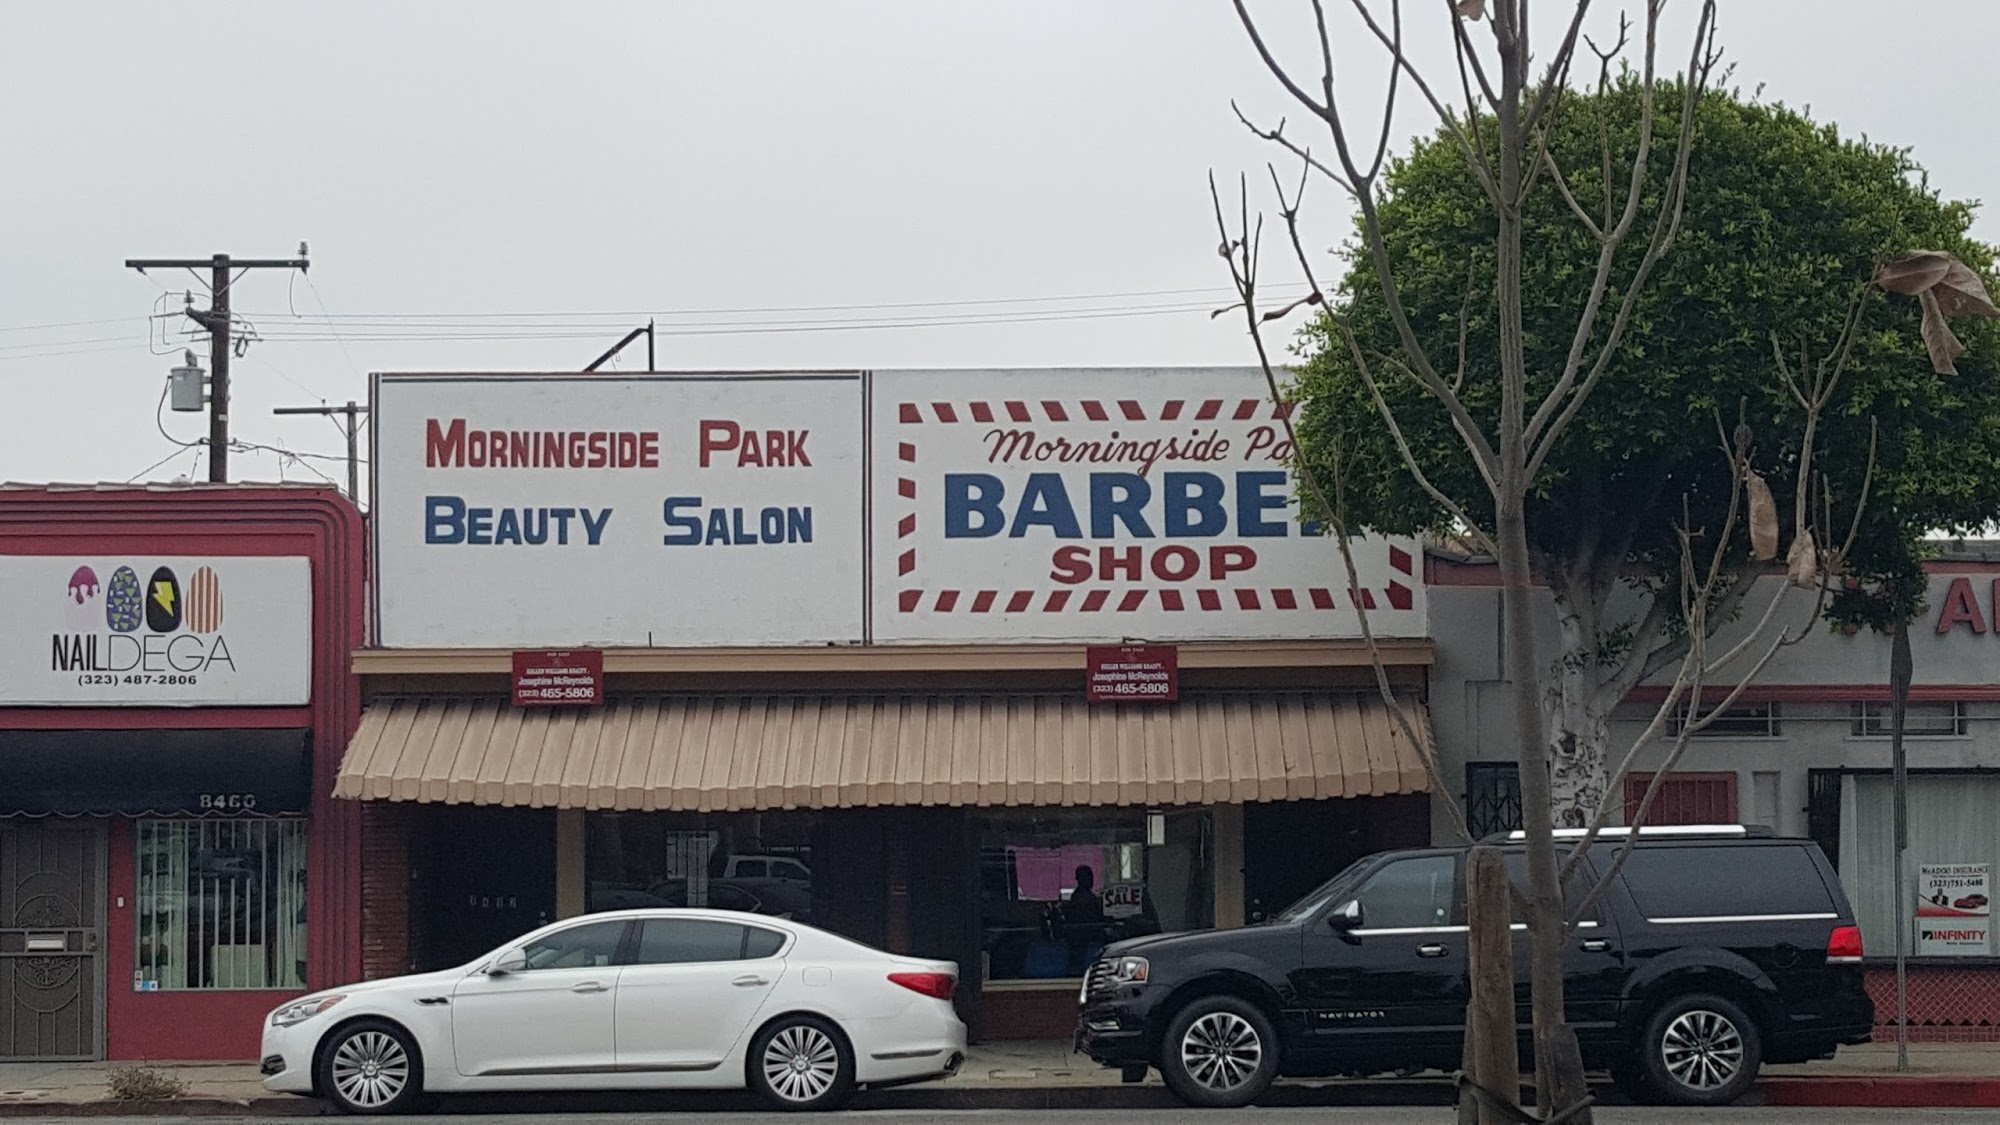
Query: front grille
{"x": 1099, "y": 979}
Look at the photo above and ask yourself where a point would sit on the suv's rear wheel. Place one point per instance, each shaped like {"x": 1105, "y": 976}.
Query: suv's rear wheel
{"x": 1700, "y": 1050}
{"x": 1219, "y": 1051}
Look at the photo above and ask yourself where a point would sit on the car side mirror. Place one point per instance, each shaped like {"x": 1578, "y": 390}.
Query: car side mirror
{"x": 1347, "y": 916}
{"x": 510, "y": 962}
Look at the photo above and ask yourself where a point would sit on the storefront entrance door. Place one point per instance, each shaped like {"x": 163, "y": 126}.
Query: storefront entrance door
{"x": 491, "y": 878}
{"x": 51, "y": 925}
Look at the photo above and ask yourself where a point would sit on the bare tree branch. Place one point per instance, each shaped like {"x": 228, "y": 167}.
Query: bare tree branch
{"x": 1241, "y": 253}
{"x": 1567, "y": 397}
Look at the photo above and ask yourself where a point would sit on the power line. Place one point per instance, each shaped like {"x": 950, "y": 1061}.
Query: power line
{"x": 63, "y": 324}
{"x": 157, "y": 464}
{"x": 577, "y": 331}
{"x": 433, "y": 331}
{"x": 131, "y": 346}
{"x": 626, "y": 316}
{"x": 327, "y": 315}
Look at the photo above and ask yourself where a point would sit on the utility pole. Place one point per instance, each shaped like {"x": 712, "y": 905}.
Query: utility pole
{"x": 351, "y": 428}
{"x": 215, "y": 318}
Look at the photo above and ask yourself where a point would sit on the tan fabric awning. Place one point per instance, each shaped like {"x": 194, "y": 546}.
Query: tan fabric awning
{"x": 729, "y": 753}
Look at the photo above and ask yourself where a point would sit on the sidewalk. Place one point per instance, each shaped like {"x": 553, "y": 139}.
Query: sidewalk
{"x": 1034, "y": 1074}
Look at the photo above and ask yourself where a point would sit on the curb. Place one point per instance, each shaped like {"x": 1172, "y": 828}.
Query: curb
{"x": 1906, "y": 1091}
{"x": 1151, "y": 1096}
{"x": 179, "y": 1107}
{"x": 1901, "y": 1092}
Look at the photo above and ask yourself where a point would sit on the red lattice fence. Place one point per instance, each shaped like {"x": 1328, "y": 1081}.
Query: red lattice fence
{"x": 1947, "y": 1005}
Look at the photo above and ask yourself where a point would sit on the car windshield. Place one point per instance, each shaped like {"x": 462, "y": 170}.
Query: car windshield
{"x": 1319, "y": 897}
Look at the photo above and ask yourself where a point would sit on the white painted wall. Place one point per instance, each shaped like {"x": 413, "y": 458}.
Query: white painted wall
{"x": 1471, "y": 706}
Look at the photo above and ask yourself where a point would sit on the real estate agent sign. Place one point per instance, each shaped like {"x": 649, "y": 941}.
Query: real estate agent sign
{"x": 155, "y": 631}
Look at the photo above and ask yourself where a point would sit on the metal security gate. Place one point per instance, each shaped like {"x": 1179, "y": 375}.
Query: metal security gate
{"x": 51, "y": 927}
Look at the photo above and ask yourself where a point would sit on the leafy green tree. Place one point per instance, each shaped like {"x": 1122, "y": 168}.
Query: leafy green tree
{"x": 1784, "y": 222}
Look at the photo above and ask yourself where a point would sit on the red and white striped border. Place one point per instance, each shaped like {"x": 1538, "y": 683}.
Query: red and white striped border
{"x": 1029, "y": 411}
{"x": 1246, "y": 599}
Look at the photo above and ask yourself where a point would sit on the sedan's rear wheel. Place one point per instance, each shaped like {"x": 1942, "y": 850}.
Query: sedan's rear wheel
{"x": 801, "y": 1063}
{"x": 1220, "y": 1051}
{"x": 370, "y": 1067}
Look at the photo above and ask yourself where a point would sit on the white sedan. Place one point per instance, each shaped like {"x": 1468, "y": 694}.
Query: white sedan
{"x": 632, "y": 1000}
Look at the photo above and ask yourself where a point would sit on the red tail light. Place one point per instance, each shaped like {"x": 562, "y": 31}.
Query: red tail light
{"x": 937, "y": 986}
{"x": 1844, "y": 947}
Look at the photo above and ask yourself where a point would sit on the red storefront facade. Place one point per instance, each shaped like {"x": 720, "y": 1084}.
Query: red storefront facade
{"x": 172, "y": 713}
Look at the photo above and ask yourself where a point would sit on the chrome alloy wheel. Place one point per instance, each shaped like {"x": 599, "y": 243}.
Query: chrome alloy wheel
{"x": 1221, "y": 1051}
{"x": 1703, "y": 1050}
{"x": 801, "y": 1063}
{"x": 370, "y": 1068}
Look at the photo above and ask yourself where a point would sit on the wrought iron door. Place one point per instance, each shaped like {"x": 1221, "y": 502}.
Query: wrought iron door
{"x": 51, "y": 927}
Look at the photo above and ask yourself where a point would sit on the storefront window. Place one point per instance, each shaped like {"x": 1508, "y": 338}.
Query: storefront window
{"x": 758, "y": 863}
{"x": 221, "y": 904}
{"x": 1057, "y": 886}
{"x": 1951, "y": 822}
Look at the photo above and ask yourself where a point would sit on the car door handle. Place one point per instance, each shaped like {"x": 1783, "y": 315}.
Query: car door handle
{"x": 751, "y": 980}
{"x": 1432, "y": 950}
{"x": 1595, "y": 945}
{"x": 590, "y": 986}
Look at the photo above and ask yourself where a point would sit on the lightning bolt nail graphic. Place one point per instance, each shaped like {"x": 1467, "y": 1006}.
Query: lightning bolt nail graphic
{"x": 163, "y": 592}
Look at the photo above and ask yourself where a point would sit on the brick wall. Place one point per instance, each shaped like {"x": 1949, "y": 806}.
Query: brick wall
{"x": 1038, "y": 1013}
{"x": 386, "y": 890}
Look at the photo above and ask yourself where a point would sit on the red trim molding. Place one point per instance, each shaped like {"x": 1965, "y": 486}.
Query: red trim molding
{"x": 1832, "y": 693}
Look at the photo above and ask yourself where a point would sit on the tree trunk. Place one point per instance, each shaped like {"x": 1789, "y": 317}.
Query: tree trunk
{"x": 1578, "y": 730}
{"x": 1495, "y": 1061}
{"x": 1559, "y": 1081}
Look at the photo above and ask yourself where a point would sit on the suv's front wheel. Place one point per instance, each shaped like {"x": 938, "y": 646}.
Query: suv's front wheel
{"x": 1700, "y": 1050}
{"x": 1220, "y": 1051}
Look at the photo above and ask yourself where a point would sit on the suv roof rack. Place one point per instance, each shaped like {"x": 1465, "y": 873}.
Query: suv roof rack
{"x": 1725, "y": 831}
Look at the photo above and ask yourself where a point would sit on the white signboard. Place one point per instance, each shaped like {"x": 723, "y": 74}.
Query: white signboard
{"x": 1954, "y": 912}
{"x": 551, "y": 511}
{"x": 1081, "y": 505}
{"x": 155, "y": 631}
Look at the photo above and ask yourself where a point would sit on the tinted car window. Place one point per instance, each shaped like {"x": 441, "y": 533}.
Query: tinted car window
{"x": 1409, "y": 892}
{"x": 680, "y": 941}
{"x": 751, "y": 868}
{"x": 1317, "y": 899}
{"x": 579, "y": 947}
{"x": 1696, "y": 882}
{"x": 1579, "y": 884}
{"x": 759, "y": 942}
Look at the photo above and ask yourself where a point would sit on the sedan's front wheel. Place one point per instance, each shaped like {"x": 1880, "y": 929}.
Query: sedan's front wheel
{"x": 370, "y": 1066}
{"x": 1220, "y": 1051}
{"x": 801, "y": 1063}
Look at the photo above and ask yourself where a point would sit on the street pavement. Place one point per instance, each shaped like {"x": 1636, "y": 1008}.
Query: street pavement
{"x": 1359, "y": 1115}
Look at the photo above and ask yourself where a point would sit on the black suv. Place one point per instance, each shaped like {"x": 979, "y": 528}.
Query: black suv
{"x": 1714, "y": 951}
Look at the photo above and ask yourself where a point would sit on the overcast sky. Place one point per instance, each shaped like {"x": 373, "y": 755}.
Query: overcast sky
{"x": 1007, "y": 183}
